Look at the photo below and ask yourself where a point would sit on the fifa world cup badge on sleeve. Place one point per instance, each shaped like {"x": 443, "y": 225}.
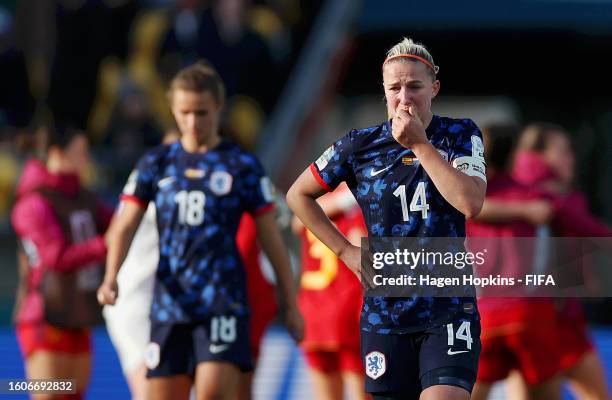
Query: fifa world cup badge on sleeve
{"x": 325, "y": 157}
{"x": 130, "y": 186}
{"x": 477, "y": 148}
{"x": 267, "y": 188}
{"x": 375, "y": 364}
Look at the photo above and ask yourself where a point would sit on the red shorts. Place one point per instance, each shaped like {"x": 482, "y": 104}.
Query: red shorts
{"x": 42, "y": 336}
{"x": 574, "y": 339}
{"x": 258, "y": 323}
{"x": 346, "y": 359}
{"x": 531, "y": 348}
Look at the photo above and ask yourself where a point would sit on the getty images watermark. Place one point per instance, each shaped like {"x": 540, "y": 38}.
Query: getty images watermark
{"x": 495, "y": 267}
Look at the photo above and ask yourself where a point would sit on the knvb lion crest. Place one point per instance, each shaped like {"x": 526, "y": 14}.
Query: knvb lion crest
{"x": 375, "y": 364}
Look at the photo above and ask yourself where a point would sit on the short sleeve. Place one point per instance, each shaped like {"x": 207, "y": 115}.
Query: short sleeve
{"x": 467, "y": 154}
{"x": 334, "y": 165}
{"x": 257, "y": 189}
{"x": 140, "y": 184}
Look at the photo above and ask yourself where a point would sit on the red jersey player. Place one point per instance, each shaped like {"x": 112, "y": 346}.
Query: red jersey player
{"x": 330, "y": 300}
{"x": 546, "y": 160}
{"x": 260, "y": 294}
{"x": 515, "y": 330}
{"x": 59, "y": 225}
{"x": 260, "y": 288}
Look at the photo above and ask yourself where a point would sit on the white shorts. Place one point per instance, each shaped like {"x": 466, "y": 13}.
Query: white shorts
{"x": 127, "y": 321}
{"x": 129, "y": 329}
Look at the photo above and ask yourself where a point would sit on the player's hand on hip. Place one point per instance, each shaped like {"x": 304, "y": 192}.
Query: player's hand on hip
{"x": 295, "y": 324}
{"x": 107, "y": 293}
{"x": 407, "y": 128}
{"x": 352, "y": 257}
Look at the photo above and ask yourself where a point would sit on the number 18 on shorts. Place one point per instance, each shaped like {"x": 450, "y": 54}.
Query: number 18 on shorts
{"x": 179, "y": 348}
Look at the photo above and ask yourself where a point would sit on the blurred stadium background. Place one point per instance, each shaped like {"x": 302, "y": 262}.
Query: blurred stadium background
{"x": 299, "y": 74}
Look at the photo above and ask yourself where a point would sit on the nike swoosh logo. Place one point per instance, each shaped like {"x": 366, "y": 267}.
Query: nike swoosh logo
{"x": 218, "y": 348}
{"x": 452, "y": 353}
{"x": 165, "y": 181}
{"x": 374, "y": 173}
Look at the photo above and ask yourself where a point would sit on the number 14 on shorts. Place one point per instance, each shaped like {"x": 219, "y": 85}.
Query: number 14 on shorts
{"x": 463, "y": 333}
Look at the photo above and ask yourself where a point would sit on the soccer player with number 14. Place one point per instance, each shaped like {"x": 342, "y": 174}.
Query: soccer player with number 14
{"x": 415, "y": 175}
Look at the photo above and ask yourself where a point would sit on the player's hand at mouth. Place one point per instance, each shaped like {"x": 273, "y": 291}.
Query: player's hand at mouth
{"x": 407, "y": 128}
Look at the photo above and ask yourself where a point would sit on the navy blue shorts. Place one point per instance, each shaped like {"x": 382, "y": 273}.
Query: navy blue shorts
{"x": 403, "y": 365}
{"x": 177, "y": 349}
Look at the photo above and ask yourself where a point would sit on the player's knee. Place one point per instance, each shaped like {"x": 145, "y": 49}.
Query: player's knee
{"x": 544, "y": 391}
{"x": 71, "y": 396}
{"x": 481, "y": 391}
{"x": 217, "y": 392}
{"x": 222, "y": 389}
{"x": 445, "y": 392}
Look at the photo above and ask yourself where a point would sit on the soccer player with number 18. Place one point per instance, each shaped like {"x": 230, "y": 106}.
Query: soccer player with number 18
{"x": 201, "y": 185}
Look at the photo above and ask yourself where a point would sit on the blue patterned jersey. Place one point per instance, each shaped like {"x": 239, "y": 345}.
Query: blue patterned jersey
{"x": 199, "y": 198}
{"x": 399, "y": 199}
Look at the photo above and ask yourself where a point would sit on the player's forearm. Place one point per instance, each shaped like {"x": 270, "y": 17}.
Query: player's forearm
{"x": 496, "y": 211}
{"x": 314, "y": 219}
{"x": 272, "y": 244}
{"x": 338, "y": 201}
{"x": 457, "y": 188}
{"x": 118, "y": 246}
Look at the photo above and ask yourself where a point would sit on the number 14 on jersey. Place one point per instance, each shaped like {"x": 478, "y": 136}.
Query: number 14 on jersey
{"x": 418, "y": 202}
